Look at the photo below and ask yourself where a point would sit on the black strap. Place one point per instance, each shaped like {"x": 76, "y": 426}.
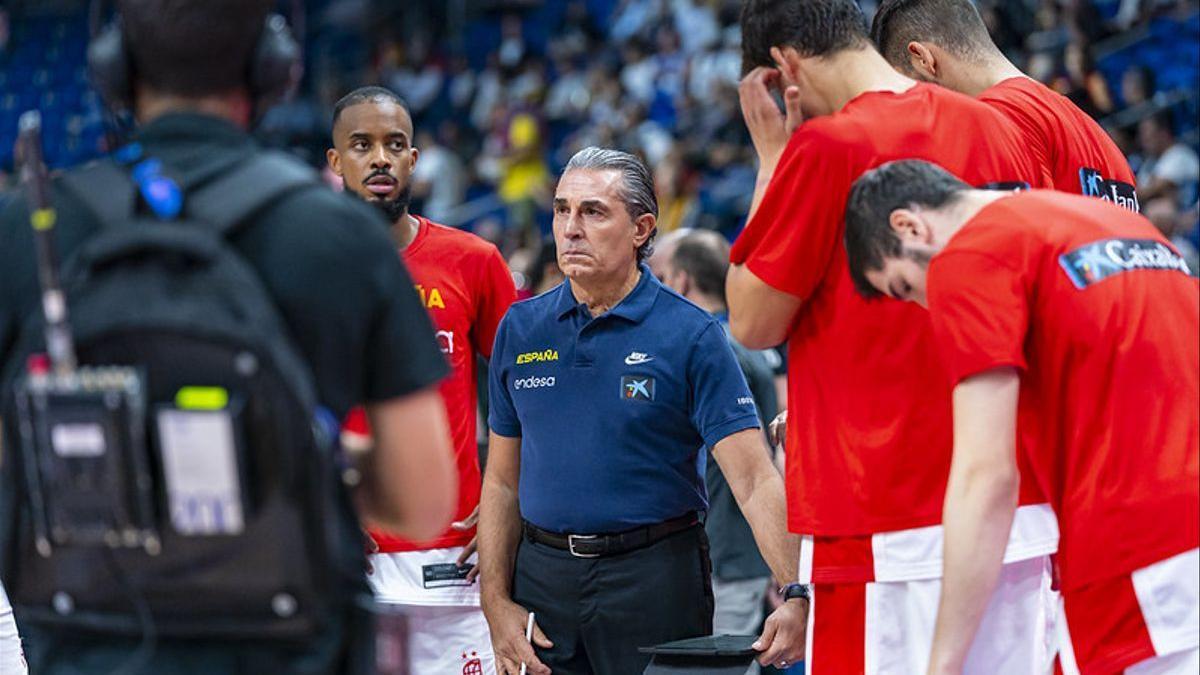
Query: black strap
{"x": 106, "y": 190}
{"x": 227, "y": 201}
{"x": 224, "y": 198}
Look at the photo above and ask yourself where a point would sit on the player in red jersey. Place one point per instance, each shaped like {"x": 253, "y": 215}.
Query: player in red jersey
{"x": 1077, "y": 321}
{"x": 466, "y": 286}
{"x": 867, "y": 458}
{"x": 946, "y": 42}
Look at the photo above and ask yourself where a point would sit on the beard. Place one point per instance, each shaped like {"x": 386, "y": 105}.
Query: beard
{"x": 396, "y": 207}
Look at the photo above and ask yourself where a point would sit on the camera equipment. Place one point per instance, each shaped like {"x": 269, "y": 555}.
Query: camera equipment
{"x": 81, "y": 429}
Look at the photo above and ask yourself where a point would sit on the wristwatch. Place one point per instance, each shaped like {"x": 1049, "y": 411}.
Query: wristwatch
{"x": 793, "y": 591}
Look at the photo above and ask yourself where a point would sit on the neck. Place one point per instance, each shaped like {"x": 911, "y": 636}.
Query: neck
{"x": 849, "y": 73}
{"x": 973, "y": 79}
{"x": 603, "y": 295}
{"x": 404, "y": 230}
{"x": 234, "y": 106}
{"x": 949, "y": 220}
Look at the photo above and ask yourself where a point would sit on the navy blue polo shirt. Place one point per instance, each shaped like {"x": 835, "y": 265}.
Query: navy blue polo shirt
{"x": 614, "y": 411}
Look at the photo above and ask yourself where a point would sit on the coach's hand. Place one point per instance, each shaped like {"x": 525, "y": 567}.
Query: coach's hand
{"x": 464, "y": 525}
{"x": 506, "y": 621}
{"x": 782, "y": 640}
{"x": 769, "y": 128}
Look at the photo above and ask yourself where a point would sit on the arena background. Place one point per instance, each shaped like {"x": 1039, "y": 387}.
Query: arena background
{"x": 504, "y": 91}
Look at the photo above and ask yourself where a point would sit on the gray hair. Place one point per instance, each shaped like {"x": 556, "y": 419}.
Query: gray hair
{"x": 637, "y": 187}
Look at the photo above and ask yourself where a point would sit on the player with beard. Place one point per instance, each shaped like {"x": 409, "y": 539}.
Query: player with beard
{"x": 466, "y": 287}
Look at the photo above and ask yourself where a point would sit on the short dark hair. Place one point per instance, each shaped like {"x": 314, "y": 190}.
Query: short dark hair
{"x": 193, "y": 47}
{"x": 811, "y": 27}
{"x": 371, "y": 94}
{"x": 870, "y": 239}
{"x": 704, "y": 255}
{"x": 637, "y": 186}
{"x": 953, "y": 25}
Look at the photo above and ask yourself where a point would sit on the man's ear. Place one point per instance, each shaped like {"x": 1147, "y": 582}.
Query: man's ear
{"x": 922, "y": 61}
{"x": 643, "y": 227}
{"x": 910, "y": 227}
{"x": 787, "y": 62}
{"x": 416, "y": 154}
{"x": 335, "y": 161}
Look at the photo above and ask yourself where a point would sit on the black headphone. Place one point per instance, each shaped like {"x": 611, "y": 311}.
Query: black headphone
{"x": 274, "y": 70}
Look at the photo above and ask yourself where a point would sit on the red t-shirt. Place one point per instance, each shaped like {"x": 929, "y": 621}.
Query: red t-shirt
{"x": 1080, "y": 156}
{"x": 868, "y": 446}
{"x": 1089, "y": 302}
{"x": 466, "y": 287}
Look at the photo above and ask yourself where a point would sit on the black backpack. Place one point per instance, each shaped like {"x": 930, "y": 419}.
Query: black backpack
{"x": 176, "y": 300}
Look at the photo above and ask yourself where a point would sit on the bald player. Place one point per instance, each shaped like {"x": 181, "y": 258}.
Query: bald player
{"x": 466, "y": 287}
{"x": 946, "y": 42}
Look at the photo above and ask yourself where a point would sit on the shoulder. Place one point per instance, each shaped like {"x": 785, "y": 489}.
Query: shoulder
{"x": 469, "y": 247}
{"x": 683, "y": 315}
{"x": 320, "y": 223}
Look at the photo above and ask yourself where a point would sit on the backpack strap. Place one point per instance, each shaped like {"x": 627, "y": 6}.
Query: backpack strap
{"x": 228, "y": 200}
{"x": 105, "y": 189}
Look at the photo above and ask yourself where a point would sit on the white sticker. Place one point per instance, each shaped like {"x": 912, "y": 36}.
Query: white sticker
{"x": 200, "y": 466}
{"x": 78, "y": 440}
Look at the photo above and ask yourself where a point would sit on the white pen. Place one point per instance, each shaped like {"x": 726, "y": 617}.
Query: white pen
{"x": 528, "y": 637}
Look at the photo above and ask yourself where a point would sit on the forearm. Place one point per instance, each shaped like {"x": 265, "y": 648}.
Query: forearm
{"x": 977, "y": 518}
{"x": 765, "y": 509}
{"x": 499, "y": 535}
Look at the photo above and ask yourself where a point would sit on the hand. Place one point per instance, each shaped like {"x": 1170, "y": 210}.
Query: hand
{"x": 506, "y": 621}
{"x": 783, "y": 637}
{"x": 769, "y": 128}
{"x": 462, "y": 526}
{"x": 777, "y": 429}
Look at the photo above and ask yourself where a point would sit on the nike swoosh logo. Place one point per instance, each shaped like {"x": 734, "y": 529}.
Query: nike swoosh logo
{"x": 636, "y": 360}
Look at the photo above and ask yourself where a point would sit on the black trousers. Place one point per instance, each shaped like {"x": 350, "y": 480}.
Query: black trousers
{"x": 598, "y": 611}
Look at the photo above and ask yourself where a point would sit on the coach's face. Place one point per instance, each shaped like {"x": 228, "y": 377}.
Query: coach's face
{"x": 373, "y": 152}
{"x": 597, "y": 239}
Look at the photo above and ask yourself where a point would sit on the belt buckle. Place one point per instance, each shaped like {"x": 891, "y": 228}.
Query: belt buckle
{"x": 571, "y": 538}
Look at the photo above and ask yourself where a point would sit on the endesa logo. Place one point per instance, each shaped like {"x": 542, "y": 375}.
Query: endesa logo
{"x": 537, "y": 357}
{"x": 1092, "y": 184}
{"x": 1099, "y": 260}
{"x": 533, "y": 382}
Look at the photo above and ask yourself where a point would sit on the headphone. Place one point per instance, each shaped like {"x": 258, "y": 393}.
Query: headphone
{"x": 274, "y": 70}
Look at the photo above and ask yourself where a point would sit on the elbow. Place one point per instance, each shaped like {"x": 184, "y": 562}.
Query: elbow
{"x": 751, "y": 335}
{"x": 995, "y": 485}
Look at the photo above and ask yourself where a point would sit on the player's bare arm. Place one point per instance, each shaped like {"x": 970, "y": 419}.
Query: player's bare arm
{"x": 981, "y": 498}
{"x": 759, "y": 315}
{"x": 499, "y": 535}
{"x": 758, "y": 488}
{"x": 409, "y": 479}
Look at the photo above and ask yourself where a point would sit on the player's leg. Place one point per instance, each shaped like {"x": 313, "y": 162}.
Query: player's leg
{"x": 448, "y": 640}
{"x": 837, "y": 630}
{"x": 1147, "y": 622}
{"x": 1016, "y": 634}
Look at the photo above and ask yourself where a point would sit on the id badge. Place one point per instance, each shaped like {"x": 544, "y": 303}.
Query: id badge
{"x": 445, "y": 575}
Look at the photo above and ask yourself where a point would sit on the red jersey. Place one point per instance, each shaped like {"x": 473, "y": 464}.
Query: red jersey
{"x": 869, "y": 435}
{"x": 466, "y": 287}
{"x": 1080, "y": 156}
{"x": 1098, "y": 313}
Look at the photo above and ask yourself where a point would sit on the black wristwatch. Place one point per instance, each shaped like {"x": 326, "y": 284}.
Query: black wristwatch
{"x": 793, "y": 591}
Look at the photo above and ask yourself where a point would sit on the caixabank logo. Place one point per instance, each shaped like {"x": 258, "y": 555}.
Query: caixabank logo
{"x": 1092, "y": 184}
{"x": 1099, "y": 260}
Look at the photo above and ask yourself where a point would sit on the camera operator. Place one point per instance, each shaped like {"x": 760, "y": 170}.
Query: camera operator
{"x": 327, "y": 264}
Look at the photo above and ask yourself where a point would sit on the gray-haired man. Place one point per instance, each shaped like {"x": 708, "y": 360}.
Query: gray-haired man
{"x": 604, "y": 393}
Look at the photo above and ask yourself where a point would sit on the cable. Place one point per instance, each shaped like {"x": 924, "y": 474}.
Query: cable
{"x": 140, "y": 659}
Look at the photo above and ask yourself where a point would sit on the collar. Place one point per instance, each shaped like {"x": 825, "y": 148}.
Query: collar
{"x": 192, "y": 126}
{"x": 633, "y": 307}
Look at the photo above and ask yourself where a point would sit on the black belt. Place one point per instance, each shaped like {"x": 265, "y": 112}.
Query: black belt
{"x": 600, "y": 545}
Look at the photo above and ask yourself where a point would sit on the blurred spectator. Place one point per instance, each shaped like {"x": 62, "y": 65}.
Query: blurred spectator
{"x": 1082, "y": 83}
{"x": 1164, "y": 213}
{"x": 1137, "y": 85}
{"x": 1169, "y": 168}
{"x": 439, "y": 178}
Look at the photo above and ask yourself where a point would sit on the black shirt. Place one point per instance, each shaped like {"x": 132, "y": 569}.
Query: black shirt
{"x": 328, "y": 263}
